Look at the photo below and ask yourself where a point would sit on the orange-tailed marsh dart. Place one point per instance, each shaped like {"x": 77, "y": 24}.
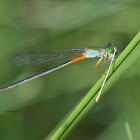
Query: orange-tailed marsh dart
{"x": 30, "y": 58}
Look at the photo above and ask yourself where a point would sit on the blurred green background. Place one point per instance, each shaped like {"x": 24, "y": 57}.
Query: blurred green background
{"x": 44, "y": 102}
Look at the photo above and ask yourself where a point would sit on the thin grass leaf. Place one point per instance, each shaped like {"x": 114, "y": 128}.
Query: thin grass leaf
{"x": 61, "y": 129}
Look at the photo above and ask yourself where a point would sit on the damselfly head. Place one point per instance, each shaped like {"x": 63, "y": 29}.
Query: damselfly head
{"x": 109, "y": 47}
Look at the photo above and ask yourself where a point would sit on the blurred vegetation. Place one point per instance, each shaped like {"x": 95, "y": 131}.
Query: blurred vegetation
{"x": 44, "y": 102}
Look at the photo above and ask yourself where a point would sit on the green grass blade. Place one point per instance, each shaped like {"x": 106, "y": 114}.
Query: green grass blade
{"x": 69, "y": 120}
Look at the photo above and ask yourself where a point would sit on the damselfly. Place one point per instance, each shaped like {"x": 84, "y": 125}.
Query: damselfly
{"x": 27, "y": 58}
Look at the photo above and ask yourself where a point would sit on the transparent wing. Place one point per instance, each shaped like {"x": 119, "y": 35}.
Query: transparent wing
{"x": 33, "y": 58}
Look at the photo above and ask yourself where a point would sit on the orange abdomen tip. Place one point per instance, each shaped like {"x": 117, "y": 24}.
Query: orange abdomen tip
{"x": 78, "y": 58}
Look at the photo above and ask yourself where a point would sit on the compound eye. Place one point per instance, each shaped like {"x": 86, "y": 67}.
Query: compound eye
{"x": 108, "y": 49}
